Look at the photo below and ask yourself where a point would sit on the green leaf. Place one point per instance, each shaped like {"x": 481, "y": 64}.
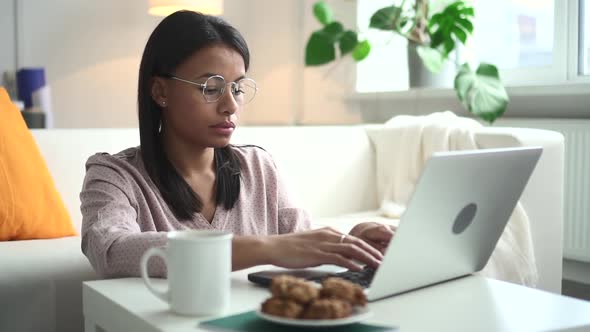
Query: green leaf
{"x": 333, "y": 31}
{"x": 468, "y": 11}
{"x": 319, "y": 50}
{"x": 455, "y": 5}
{"x": 487, "y": 69}
{"x": 460, "y": 34}
{"x": 432, "y": 59}
{"x": 450, "y": 25}
{"x": 322, "y": 12}
{"x": 435, "y": 19}
{"x": 402, "y": 23}
{"x": 361, "y": 50}
{"x": 481, "y": 91}
{"x": 348, "y": 42}
{"x": 386, "y": 18}
{"x": 452, "y": 9}
{"x": 449, "y": 45}
{"x": 465, "y": 24}
{"x": 460, "y": 7}
{"x": 436, "y": 39}
{"x": 462, "y": 81}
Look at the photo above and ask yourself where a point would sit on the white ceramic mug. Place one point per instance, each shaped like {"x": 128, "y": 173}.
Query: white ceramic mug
{"x": 199, "y": 271}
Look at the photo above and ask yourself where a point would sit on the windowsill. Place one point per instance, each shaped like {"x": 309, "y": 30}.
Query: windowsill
{"x": 565, "y": 89}
{"x": 568, "y": 100}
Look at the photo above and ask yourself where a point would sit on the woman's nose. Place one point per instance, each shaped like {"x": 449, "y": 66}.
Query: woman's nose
{"x": 227, "y": 103}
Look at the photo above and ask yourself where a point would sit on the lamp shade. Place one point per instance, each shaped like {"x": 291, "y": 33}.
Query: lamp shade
{"x": 167, "y": 7}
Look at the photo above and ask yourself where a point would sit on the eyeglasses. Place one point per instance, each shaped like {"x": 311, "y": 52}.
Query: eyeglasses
{"x": 243, "y": 90}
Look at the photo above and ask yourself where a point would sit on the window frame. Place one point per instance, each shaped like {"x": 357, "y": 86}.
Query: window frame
{"x": 555, "y": 73}
{"x": 574, "y": 52}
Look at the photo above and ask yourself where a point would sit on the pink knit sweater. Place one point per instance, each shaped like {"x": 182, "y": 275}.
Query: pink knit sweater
{"x": 124, "y": 213}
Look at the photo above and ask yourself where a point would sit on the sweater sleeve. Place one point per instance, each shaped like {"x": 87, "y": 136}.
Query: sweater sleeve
{"x": 111, "y": 237}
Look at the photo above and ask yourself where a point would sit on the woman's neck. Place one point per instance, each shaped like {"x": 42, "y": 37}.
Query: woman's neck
{"x": 189, "y": 160}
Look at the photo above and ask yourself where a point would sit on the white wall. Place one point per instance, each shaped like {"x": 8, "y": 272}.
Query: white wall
{"x": 7, "y": 56}
{"x": 326, "y": 89}
{"x": 91, "y": 51}
{"x": 272, "y": 30}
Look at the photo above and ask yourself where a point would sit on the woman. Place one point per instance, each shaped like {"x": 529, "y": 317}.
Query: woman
{"x": 186, "y": 175}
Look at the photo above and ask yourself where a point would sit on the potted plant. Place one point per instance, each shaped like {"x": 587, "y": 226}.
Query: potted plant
{"x": 432, "y": 40}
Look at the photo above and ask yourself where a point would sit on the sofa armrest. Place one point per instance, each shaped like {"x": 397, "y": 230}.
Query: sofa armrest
{"x": 542, "y": 198}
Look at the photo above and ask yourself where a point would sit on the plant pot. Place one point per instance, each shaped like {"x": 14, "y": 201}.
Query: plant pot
{"x": 421, "y": 77}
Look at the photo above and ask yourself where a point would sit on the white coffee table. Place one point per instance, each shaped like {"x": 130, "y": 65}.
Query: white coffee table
{"x": 472, "y": 303}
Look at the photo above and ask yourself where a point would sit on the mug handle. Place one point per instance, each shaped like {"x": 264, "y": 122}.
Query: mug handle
{"x": 163, "y": 295}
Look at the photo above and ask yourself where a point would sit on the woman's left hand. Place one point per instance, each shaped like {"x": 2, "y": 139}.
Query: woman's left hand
{"x": 376, "y": 234}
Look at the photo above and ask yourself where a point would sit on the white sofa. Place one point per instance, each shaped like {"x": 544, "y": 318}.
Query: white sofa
{"x": 331, "y": 169}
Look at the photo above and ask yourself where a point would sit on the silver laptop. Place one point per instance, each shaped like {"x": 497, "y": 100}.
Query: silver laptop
{"x": 455, "y": 217}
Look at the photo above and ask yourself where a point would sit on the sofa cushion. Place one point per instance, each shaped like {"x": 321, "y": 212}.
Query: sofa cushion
{"x": 41, "y": 285}
{"x": 31, "y": 207}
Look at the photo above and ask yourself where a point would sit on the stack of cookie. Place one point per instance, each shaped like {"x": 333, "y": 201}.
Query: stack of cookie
{"x": 296, "y": 298}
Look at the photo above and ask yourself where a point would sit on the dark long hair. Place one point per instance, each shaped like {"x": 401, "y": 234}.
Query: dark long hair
{"x": 175, "y": 39}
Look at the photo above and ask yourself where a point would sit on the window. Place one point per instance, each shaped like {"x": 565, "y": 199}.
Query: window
{"x": 513, "y": 33}
{"x": 386, "y": 68}
{"x": 584, "y": 38}
{"x": 532, "y": 42}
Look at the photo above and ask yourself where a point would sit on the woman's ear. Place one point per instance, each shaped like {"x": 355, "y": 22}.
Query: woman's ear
{"x": 158, "y": 91}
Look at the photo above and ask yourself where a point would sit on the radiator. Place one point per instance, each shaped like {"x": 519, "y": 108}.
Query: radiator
{"x": 576, "y": 240}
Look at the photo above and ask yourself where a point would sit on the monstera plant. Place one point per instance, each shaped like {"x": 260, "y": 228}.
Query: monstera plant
{"x": 434, "y": 37}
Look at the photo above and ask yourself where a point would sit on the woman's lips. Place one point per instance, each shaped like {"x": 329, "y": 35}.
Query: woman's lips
{"x": 225, "y": 124}
{"x": 224, "y": 128}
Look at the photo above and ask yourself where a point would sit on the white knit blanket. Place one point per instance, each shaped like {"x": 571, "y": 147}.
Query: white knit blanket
{"x": 402, "y": 147}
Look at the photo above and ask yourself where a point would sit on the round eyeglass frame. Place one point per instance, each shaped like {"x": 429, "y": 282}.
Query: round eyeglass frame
{"x": 203, "y": 86}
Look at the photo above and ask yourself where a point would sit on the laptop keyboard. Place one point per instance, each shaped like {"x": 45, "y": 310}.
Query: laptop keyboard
{"x": 362, "y": 278}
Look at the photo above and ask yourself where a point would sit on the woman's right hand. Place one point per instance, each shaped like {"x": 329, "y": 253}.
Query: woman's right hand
{"x": 321, "y": 246}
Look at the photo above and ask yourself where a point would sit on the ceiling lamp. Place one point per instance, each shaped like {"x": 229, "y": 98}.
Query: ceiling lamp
{"x": 167, "y": 7}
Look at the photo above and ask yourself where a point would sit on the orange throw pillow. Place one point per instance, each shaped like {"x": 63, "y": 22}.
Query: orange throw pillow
{"x": 30, "y": 206}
